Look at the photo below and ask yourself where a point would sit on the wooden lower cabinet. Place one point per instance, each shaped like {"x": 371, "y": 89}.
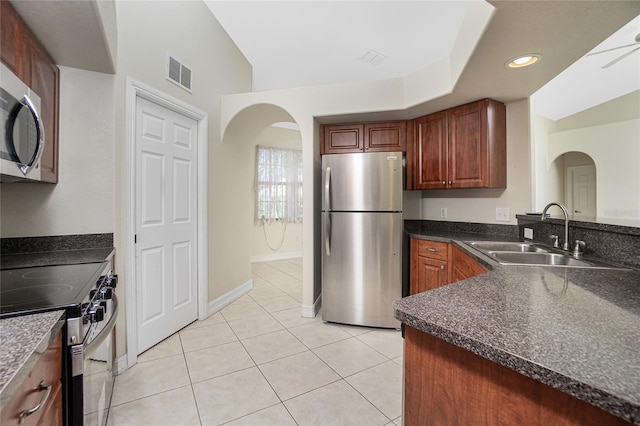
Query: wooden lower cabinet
{"x": 447, "y": 385}
{"x": 464, "y": 266}
{"x": 47, "y": 370}
{"x": 429, "y": 265}
{"x": 435, "y": 264}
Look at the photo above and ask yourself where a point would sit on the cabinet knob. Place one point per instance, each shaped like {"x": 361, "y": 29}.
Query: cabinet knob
{"x": 450, "y": 182}
{"x": 444, "y": 183}
{"x": 442, "y": 267}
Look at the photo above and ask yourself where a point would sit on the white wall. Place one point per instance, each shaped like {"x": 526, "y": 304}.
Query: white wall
{"x": 616, "y": 153}
{"x": 188, "y": 30}
{"x": 609, "y": 134}
{"x": 83, "y": 200}
{"x": 92, "y": 190}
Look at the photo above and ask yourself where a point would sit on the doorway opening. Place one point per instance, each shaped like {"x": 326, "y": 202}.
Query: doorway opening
{"x": 179, "y": 264}
{"x": 580, "y": 184}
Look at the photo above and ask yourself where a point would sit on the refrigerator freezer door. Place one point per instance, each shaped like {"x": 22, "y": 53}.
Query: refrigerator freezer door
{"x": 362, "y": 182}
{"x": 361, "y": 268}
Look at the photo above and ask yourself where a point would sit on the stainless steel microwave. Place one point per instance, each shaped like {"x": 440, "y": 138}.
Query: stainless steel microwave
{"x": 23, "y": 135}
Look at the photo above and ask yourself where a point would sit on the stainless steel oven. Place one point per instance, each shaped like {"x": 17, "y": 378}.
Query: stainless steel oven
{"x": 86, "y": 293}
{"x": 23, "y": 137}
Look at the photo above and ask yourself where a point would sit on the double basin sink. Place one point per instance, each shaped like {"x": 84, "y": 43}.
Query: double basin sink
{"x": 532, "y": 254}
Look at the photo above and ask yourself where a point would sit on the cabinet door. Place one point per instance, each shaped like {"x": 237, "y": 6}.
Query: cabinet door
{"x": 428, "y": 274}
{"x": 385, "y": 137}
{"x": 341, "y": 138}
{"x": 464, "y": 266}
{"x": 11, "y": 31}
{"x": 44, "y": 79}
{"x": 430, "y": 152}
{"x": 468, "y": 166}
{"x": 429, "y": 267}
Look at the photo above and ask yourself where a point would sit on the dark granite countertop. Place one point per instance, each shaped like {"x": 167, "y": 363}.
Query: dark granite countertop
{"x": 55, "y": 250}
{"x": 61, "y": 257}
{"x": 577, "y": 330}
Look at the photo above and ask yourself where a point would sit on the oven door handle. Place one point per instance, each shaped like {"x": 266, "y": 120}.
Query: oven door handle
{"x": 92, "y": 345}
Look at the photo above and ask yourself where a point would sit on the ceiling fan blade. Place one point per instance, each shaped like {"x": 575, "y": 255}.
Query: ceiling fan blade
{"x": 615, "y": 61}
{"x": 614, "y": 48}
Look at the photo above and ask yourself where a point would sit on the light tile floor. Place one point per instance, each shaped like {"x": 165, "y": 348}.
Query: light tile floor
{"x": 258, "y": 362}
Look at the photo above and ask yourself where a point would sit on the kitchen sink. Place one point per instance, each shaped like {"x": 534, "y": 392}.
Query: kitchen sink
{"x": 506, "y": 246}
{"x": 531, "y": 254}
{"x": 546, "y": 259}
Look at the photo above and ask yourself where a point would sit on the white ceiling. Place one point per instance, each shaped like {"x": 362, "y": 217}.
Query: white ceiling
{"x": 311, "y": 43}
{"x": 301, "y": 43}
{"x": 585, "y": 84}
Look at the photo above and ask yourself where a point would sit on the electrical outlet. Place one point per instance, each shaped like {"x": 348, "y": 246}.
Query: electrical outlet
{"x": 528, "y": 233}
{"x": 502, "y": 214}
{"x": 443, "y": 212}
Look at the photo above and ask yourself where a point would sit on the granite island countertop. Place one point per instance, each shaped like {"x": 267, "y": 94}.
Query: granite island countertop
{"x": 577, "y": 330}
{"x": 23, "y": 340}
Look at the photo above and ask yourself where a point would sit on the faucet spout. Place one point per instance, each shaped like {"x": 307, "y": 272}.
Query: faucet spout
{"x": 565, "y": 244}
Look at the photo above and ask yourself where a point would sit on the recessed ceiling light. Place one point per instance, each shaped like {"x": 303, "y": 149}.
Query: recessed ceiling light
{"x": 523, "y": 61}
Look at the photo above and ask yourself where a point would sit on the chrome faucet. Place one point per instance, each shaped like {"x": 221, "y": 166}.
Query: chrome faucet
{"x": 565, "y": 244}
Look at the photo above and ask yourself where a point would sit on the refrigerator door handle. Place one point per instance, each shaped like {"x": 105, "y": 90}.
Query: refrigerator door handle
{"x": 327, "y": 237}
{"x": 327, "y": 206}
{"x": 327, "y": 188}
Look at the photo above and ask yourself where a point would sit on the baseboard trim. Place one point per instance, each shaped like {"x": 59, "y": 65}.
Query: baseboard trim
{"x": 310, "y": 311}
{"x": 121, "y": 365}
{"x": 276, "y": 256}
{"x": 229, "y": 297}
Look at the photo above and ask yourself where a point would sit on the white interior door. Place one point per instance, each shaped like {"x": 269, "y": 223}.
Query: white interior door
{"x": 166, "y": 222}
{"x": 581, "y": 192}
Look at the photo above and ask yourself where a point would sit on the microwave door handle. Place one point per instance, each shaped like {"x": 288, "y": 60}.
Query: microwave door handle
{"x": 40, "y": 144}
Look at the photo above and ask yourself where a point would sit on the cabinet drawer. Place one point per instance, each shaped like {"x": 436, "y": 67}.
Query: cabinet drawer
{"x": 48, "y": 369}
{"x": 433, "y": 249}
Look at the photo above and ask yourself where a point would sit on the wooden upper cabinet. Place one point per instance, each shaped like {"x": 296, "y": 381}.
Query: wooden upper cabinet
{"x": 341, "y": 138}
{"x": 385, "y": 137}
{"x": 11, "y": 33}
{"x": 44, "y": 79}
{"x": 430, "y": 151}
{"x": 23, "y": 54}
{"x": 363, "y": 137}
{"x": 462, "y": 147}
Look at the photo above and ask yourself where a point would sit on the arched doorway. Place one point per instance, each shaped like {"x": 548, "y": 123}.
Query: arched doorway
{"x": 252, "y": 131}
{"x": 578, "y": 183}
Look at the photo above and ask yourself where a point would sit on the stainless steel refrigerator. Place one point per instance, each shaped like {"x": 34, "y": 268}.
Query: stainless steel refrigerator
{"x": 361, "y": 237}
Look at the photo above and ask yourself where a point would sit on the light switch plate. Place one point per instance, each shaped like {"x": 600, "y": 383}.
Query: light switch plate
{"x": 502, "y": 214}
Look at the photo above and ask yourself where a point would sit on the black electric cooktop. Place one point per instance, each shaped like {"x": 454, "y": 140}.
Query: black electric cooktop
{"x": 27, "y": 291}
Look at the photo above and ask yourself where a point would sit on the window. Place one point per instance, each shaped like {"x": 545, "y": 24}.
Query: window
{"x": 278, "y": 184}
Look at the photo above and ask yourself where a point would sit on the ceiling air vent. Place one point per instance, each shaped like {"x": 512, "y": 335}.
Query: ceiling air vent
{"x": 178, "y": 73}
